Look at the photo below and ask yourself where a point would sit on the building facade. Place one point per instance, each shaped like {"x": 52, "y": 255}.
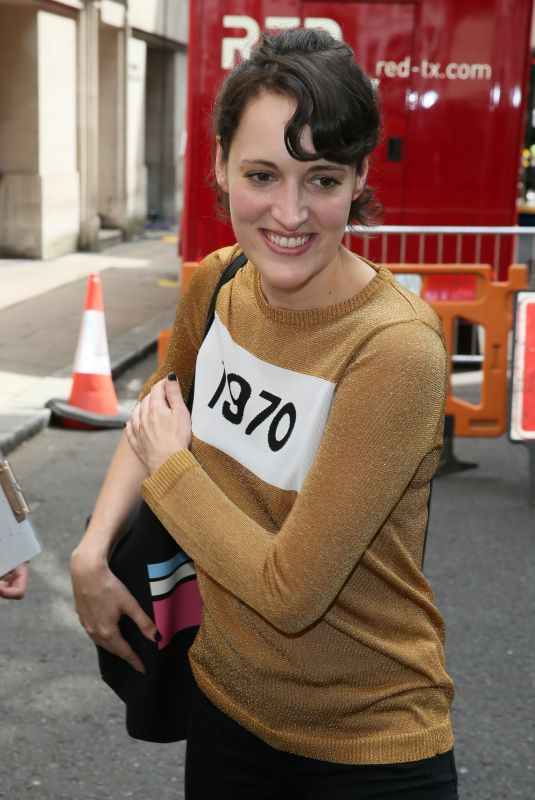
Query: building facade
{"x": 92, "y": 121}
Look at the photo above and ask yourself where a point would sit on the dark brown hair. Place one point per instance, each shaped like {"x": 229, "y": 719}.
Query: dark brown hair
{"x": 333, "y": 96}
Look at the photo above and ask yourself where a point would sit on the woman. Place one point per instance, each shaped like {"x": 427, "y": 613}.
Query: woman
{"x": 300, "y": 486}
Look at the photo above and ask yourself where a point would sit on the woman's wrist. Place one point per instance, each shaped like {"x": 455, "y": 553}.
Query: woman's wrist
{"x": 90, "y": 554}
{"x": 159, "y": 461}
{"x": 95, "y": 545}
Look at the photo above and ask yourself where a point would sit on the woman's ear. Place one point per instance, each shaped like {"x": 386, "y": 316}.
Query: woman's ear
{"x": 360, "y": 179}
{"x": 220, "y": 167}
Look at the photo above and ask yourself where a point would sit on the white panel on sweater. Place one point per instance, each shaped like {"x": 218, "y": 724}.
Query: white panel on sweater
{"x": 267, "y": 418}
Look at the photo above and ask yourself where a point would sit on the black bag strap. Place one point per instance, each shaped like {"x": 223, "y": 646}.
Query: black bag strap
{"x": 236, "y": 264}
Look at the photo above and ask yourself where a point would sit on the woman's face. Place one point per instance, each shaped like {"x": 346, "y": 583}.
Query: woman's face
{"x": 289, "y": 216}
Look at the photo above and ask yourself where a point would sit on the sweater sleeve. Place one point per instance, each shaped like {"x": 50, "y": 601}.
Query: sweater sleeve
{"x": 385, "y": 417}
{"x": 190, "y": 320}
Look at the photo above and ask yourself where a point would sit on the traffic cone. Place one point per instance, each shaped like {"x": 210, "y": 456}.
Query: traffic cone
{"x": 92, "y": 402}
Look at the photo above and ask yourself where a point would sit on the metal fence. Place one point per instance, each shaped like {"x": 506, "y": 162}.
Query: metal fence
{"x": 497, "y": 246}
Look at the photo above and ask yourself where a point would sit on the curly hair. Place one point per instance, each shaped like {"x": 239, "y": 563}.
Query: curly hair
{"x": 333, "y": 96}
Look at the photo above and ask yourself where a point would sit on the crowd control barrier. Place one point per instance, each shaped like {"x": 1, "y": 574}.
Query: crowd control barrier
{"x": 450, "y": 244}
{"x": 490, "y": 305}
{"x": 165, "y": 334}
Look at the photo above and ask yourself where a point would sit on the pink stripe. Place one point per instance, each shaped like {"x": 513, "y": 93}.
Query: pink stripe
{"x": 181, "y": 609}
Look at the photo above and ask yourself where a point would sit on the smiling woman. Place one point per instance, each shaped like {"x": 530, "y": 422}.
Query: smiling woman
{"x": 299, "y": 486}
{"x": 290, "y": 215}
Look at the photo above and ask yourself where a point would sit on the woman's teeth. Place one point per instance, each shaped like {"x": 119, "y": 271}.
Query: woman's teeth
{"x": 287, "y": 241}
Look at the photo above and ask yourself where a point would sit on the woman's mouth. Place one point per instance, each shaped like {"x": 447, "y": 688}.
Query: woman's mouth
{"x": 293, "y": 245}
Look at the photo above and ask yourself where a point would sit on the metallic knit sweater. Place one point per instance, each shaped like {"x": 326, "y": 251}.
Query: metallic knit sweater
{"x": 303, "y": 503}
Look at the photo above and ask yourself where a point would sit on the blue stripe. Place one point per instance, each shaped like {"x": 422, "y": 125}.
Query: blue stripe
{"x": 166, "y": 567}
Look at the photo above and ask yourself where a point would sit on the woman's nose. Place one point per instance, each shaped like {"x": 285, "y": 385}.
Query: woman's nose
{"x": 289, "y": 207}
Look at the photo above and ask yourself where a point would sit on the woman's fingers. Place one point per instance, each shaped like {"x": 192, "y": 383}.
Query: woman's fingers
{"x": 173, "y": 393}
{"x": 101, "y": 599}
{"x": 132, "y": 609}
{"x": 179, "y": 411}
{"x": 132, "y": 438}
{"x": 119, "y": 647}
{"x": 160, "y": 424}
{"x": 13, "y": 585}
{"x": 110, "y": 637}
{"x": 156, "y": 397}
{"x": 132, "y": 429}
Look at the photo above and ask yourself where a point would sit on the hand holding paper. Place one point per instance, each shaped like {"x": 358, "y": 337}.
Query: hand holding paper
{"x": 13, "y": 585}
{"x": 18, "y": 539}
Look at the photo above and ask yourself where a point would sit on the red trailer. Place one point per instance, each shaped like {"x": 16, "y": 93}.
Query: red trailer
{"x": 453, "y": 77}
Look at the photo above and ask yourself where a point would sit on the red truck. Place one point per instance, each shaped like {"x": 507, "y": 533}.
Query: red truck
{"x": 453, "y": 77}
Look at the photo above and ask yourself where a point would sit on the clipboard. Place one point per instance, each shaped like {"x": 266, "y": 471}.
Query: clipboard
{"x": 18, "y": 539}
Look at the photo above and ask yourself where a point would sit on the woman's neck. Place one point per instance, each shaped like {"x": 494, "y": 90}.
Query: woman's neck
{"x": 348, "y": 276}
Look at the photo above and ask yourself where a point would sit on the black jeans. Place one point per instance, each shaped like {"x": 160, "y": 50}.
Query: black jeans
{"x": 226, "y": 762}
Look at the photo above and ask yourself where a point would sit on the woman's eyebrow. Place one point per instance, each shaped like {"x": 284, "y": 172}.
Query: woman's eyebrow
{"x": 327, "y": 167}
{"x": 260, "y": 162}
{"x": 257, "y": 162}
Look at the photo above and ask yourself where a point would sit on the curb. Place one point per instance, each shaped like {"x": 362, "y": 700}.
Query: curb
{"x": 40, "y": 420}
{"x": 122, "y": 364}
{"x": 32, "y": 426}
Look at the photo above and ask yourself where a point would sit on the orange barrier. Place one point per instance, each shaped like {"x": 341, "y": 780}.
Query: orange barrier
{"x": 188, "y": 268}
{"x": 164, "y": 336}
{"x": 492, "y": 308}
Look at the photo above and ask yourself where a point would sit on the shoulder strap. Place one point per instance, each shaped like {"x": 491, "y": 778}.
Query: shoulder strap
{"x": 236, "y": 264}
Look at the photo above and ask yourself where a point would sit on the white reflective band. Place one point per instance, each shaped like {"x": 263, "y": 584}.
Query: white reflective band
{"x": 92, "y": 355}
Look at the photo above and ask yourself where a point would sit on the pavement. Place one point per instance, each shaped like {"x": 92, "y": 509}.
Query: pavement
{"x": 41, "y": 306}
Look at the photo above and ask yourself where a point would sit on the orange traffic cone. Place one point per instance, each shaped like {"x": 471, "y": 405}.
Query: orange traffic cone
{"x": 92, "y": 402}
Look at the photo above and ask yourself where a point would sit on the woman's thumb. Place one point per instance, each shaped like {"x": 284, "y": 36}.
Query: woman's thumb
{"x": 172, "y": 389}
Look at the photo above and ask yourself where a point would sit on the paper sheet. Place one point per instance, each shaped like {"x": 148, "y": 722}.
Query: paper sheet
{"x": 18, "y": 540}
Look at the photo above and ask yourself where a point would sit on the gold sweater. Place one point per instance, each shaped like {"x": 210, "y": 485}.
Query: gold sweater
{"x": 303, "y": 503}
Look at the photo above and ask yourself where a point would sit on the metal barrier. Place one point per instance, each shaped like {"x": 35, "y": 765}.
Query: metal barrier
{"x": 492, "y": 309}
{"x": 426, "y": 244}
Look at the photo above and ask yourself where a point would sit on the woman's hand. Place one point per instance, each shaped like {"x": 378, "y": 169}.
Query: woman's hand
{"x": 13, "y": 585}
{"x": 100, "y": 600}
{"x": 160, "y": 425}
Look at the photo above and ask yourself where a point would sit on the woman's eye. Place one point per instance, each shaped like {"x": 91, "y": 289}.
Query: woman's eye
{"x": 324, "y": 182}
{"x": 259, "y": 177}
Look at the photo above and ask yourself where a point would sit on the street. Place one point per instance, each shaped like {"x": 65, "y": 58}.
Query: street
{"x": 62, "y": 735}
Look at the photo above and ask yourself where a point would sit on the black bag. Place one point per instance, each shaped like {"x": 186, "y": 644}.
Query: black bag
{"x": 162, "y": 579}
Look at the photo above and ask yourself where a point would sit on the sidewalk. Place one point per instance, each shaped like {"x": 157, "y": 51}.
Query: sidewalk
{"x": 41, "y": 305}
